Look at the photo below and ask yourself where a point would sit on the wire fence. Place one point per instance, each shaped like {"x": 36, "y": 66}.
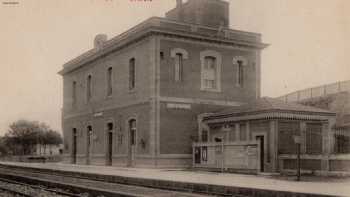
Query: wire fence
{"x": 333, "y": 88}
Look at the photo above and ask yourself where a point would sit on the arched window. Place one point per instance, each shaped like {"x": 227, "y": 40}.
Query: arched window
{"x": 132, "y": 131}
{"x": 132, "y": 73}
{"x": 89, "y": 87}
{"x": 179, "y": 55}
{"x": 178, "y": 67}
{"x": 109, "y": 81}
{"x": 210, "y": 70}
{"x": 210, "y": 77}
{"x": 240, "y": 63}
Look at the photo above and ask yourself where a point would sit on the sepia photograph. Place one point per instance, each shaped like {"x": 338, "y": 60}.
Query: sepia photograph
{"x": 174, "y": 98}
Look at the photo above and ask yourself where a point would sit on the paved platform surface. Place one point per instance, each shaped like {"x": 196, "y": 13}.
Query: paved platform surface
{"x": 326, "y": 187}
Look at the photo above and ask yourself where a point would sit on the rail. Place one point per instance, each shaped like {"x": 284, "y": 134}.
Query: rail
{"x": 58, "y": 192}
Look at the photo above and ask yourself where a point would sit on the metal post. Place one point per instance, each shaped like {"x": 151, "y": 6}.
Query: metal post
{"x": 222, "y": 156}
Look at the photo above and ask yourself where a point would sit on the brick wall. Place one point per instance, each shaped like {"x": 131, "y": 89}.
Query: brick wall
{"x": 191, "y": 84}
{"x": 120, "y": 119}
{"x": 179, "y": 126}
{"x": 119, "y": 61}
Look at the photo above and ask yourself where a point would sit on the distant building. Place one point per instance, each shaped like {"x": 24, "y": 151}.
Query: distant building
{"x": 133, "y": 100}
{"x": 48, "y": 150}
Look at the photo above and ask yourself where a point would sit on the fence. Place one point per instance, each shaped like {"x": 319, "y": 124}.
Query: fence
{"x": 333, "y": 88}
{"x": 239, "y": 156}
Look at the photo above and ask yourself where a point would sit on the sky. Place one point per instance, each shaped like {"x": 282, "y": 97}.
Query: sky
{"x": 308, "y": 45}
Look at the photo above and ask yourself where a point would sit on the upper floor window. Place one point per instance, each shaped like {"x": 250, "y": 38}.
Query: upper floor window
{"x": 240, "y": 63}
{"x": 74, "y": 93}
{"x": 109, "y": 81}
{"x": 178, "y": 67}
{"x": 89, "y": 87}
{"x": 132, "y": 73}
{"x": 179, "y": 55}
{"x": 210, "y": 71}
{"x": 240, "y": 73}
{"x": 210, "y": 78}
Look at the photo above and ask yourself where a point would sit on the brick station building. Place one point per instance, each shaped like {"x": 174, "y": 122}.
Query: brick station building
{"x": 133, "y": 100}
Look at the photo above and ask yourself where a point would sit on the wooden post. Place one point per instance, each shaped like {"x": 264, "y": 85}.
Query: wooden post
{"x": 298, "y": 162}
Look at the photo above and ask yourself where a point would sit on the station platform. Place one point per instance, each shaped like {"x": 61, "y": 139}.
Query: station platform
{"x": 251, "y": 183}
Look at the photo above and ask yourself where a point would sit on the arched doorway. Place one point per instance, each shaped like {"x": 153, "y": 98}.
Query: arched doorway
{"x": 74, "y": 146}
{"x": 88, "y": 144}
{"x": 109, "y": 153}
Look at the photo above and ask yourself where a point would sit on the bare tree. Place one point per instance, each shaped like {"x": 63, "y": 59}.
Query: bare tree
{"x": 23, "y": 136}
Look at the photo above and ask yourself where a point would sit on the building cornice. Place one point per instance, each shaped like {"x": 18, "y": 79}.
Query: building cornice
{"x": 169, "y": 28}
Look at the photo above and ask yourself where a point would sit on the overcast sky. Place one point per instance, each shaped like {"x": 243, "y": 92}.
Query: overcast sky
{"x": 309, "y": 45}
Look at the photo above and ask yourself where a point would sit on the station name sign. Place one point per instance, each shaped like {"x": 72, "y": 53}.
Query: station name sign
{"x": 178, "y": 106}
{"x": 98, "y": 114}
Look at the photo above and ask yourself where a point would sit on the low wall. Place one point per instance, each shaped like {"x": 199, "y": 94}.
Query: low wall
{"x": 317, "y": 164}
{"x": 231, "y": 156}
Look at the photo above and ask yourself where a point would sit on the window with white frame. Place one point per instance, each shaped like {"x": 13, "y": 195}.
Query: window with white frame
{"x": 210, "y": 79}
{"x": 178, "y": 67}
{"x": 179, "y": 56}
{"x": 240, "y": 63}
{"x": 210, "y": 70}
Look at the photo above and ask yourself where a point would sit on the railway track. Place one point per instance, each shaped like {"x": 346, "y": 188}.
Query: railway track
{"x": 88, "y": 187}
{"x": 29, "y": 190}
{"x": 14, "y": 192}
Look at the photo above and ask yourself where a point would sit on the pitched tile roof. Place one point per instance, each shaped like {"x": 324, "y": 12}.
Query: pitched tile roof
{"x": 271, "y": 104}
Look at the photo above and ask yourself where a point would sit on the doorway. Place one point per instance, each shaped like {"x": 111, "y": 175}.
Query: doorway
{"x": 74, "y": 146}
{"x": 260, "y": 138}
{"x": 88, "y": 144}
{"x": 197, "y": 155}
{"x": 109, "y": 154}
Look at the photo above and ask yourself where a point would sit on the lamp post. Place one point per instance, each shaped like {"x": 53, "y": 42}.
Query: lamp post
{"x": 297, "y": 141}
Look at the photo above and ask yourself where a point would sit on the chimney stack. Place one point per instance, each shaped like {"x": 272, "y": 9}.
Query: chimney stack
{"x": 100, "y": 40}
{"x": 178, "y": 3}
